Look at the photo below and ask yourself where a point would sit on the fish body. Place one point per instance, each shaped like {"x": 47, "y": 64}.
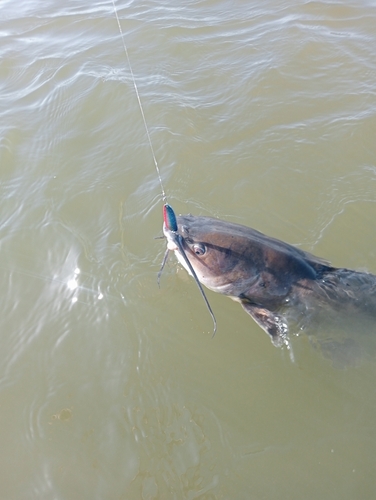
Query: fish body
{"x": 267, "y": 276}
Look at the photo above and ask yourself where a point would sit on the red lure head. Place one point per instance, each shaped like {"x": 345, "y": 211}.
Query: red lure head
{"x": 169, "y": 218}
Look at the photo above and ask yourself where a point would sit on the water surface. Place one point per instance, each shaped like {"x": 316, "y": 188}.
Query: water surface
{"x": 260, "y": 114}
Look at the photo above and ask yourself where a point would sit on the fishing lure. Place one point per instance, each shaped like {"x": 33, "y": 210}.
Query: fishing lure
{"x": 170, "y": 230}
{"x": 169, "y": 218}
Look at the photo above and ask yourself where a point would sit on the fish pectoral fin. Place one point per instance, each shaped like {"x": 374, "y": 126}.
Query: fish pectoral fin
{"x": 270, "y": 322}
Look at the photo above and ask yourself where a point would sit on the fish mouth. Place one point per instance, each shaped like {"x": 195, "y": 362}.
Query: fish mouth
{"x": 178, "y": 249}
{"x": 170, "y": 237}
{"x": 175, "y": 243}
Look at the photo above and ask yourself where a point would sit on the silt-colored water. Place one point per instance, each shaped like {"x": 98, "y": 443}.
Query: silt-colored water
{"x": 111, "y": 388}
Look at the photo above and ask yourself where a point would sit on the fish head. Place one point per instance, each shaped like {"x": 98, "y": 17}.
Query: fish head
{"x": 217, "y": 251}
{"x": 236, "y": 260}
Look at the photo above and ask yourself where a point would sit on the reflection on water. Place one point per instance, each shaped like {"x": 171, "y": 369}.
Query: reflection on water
{"x": 110, "y": 387}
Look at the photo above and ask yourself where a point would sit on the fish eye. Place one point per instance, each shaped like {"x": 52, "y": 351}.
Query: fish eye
{"x": 199, "y": 249}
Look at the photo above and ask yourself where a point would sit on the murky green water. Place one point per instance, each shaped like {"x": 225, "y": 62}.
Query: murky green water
{"x": 259, "y": 114}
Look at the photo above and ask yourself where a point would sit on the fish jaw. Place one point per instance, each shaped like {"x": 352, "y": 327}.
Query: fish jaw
{"x": 175, "y": 243}
{"x": 173, "y": 247}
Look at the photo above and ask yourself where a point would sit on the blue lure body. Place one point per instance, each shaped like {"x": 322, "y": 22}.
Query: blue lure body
{"x": 169, "y": 218}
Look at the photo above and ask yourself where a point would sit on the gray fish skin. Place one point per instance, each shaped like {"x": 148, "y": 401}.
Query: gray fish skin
{"x": 264, "y": 274}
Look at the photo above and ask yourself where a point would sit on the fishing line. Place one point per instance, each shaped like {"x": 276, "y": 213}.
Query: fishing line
{"x": 170, "y": 222}
{"x": 139, "y": 103}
